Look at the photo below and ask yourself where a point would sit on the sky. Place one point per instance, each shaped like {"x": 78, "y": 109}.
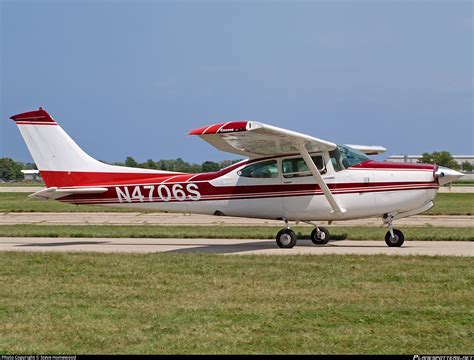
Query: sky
{"x": 131, "y": 78}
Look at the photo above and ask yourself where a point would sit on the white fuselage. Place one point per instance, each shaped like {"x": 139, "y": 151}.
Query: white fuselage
{"x": 368, "y": 191}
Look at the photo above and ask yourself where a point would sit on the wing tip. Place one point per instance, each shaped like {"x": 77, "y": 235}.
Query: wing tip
{"x": 221, "y": 128}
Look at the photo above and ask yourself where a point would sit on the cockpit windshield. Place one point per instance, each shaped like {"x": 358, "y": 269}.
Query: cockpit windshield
{"x": 343, "y": 157}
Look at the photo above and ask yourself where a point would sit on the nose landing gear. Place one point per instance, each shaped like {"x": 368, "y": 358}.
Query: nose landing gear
{"x": 393, "y": 237}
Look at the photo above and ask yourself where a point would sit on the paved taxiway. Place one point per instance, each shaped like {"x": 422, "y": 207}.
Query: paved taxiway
{"x": 232, "y": 246}
{"x": 195, "y": 219}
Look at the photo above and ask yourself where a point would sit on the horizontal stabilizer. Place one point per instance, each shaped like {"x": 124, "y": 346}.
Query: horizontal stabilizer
{"x": 55, "y": 193}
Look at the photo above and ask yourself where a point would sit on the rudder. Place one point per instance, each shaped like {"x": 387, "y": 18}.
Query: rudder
{"x": 61, "y": 161}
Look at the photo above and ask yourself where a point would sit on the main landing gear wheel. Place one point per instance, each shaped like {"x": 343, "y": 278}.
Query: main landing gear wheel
{"x": 396, "y": 240}
{"x": 286, "y": 238}
{"x": 320, "y": 237}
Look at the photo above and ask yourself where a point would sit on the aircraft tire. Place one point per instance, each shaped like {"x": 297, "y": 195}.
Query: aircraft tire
{"x": 397, "y": 241}
{"x": 323, "y": 237}
{"x": 286, "y": 238}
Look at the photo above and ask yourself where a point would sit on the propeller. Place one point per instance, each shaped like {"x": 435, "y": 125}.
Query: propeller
{"x": 446, "y": 175}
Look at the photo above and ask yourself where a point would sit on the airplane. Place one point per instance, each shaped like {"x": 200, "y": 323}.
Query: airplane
{"x": 287, "y": 176}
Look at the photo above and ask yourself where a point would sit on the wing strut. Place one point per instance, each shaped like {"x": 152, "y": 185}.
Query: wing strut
{"x": 319, "y": 180}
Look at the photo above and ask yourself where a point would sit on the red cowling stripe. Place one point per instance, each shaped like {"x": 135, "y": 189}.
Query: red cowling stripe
{"x": 370, "y": 164}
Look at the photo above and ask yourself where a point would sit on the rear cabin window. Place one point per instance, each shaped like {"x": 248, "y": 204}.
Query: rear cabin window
{"x": 297, "y": 167}
{"x": 264, "y": 169}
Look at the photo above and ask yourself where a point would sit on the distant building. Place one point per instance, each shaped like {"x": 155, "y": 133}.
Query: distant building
{"x": 414, "y": 158}
{"x": 31, "y": 175}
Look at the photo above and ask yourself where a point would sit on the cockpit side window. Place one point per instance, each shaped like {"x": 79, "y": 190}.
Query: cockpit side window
{"x": 297, "y": 167}
{"x": 343, "y": 157}
{"x": 264, "y": 169}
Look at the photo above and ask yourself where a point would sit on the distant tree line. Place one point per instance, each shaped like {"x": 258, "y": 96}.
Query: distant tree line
{"x": 178, "y": 165}
{"x": 444, "y": 158}
{"x": 11, "y": 170}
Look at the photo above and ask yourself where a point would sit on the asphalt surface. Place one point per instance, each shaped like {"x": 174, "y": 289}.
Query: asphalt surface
{"x": 229, "y": 246}
{"x": 195, "y": 219}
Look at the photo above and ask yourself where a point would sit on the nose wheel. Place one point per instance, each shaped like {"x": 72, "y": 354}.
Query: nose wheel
{"x": 393, "y": 237}
{"x": 394, "y": 240}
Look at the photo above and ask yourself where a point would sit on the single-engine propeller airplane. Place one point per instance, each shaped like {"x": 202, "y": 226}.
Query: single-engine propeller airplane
{"x": 288, "y": 176}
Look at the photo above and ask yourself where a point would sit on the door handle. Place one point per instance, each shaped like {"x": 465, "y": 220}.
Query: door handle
{"x": 286, "y": 182}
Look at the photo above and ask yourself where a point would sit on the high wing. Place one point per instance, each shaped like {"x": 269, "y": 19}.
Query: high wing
{"x": 255, "y": 139}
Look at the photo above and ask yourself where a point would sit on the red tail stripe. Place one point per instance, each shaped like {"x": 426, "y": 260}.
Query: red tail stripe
{"x": 76, "y": 178}
{"x": 37, "y": 116}
{"x": 35, "y": 123}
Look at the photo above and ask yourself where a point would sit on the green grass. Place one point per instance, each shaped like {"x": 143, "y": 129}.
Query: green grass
{"x": 22, "y": 184}
{"x": 453, "y": 204}
{"x": 208, "y": 304}
{"x": 463, "y": 182}
{"x": 227, "y": 232}
{"x": 445, "y": 204}
{"x": 19, "y": 202}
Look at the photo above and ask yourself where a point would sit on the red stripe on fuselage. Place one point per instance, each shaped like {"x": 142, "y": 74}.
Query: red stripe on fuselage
{"x": 80, "y": 179}
{"x": 111, "y": 197}
{"x": 209, "y": 192}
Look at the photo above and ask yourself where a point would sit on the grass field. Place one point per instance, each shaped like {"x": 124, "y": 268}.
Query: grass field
{"x": 19, "y": 202}
{"x": 445, "y": 204}
{"x": 163, "y": 303}
{"x": 453, "y": 204}
{"x": 227, "y": 232}
{"x": 22, "y": 184}
{"x": 463, "y": 182}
